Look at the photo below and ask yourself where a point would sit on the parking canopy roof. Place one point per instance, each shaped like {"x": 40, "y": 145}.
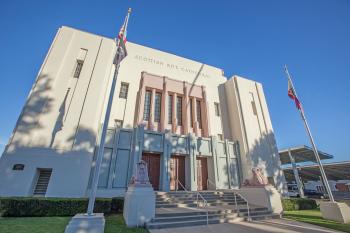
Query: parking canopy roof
{"x": 302, "y": 154}
{"x": 334, "y": 171}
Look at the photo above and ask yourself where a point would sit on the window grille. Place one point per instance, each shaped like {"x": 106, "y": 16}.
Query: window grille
{"x": 157, "y": 107}
{"x": 191, "y": 112}
{"x": 78, "y": 68}
{"x": 124, "y": 87}
{"x": 43, "y": 182}
{"x": 147, "y": 108}
{"x": 179, "y": 110}
{"x": 199, "y": 113}
{"x": 217, "y": 109}
{"x": 170, "y": 109}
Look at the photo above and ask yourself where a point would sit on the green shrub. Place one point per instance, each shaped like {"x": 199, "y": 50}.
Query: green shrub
{"x": 298, "y": 204}
{"x": 25, "y": 207}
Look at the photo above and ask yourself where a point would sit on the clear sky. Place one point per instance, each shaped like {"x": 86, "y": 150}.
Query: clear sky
{"x": 253, "y": 39}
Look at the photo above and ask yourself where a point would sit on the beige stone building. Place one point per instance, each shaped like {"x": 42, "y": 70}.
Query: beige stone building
{"x": 193, "y": 126}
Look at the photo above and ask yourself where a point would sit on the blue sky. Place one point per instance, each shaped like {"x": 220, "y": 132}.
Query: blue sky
{"x": 253, "y": 39}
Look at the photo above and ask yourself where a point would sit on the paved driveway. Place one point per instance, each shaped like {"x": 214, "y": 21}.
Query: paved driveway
{"x": 266, "y": 226}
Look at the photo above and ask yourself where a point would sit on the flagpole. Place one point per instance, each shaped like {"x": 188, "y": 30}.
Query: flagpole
{"x": 323, "y": 174}
{"x": 92, "y": 197}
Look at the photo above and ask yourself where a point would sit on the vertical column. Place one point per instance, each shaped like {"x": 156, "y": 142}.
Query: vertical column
{"x": 205, "y": 115}
{"x": 140, "y": 103}
{"x": 296, "y": 174}
{"x": 174, "y": 125}
{"x": 228, "y": 161}
{"x": 164, "y": 107}
{"x": 192, "y": 162}
{"x": 165, "y": 182}
{"x": 184, "y": 109}
{"x": 136, "y": 149}
{"x": 151, "y": 113}
{"x": 216, "y": 177}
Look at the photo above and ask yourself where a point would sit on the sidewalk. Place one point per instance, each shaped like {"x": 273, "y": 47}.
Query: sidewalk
{"x": 266, "y": 226}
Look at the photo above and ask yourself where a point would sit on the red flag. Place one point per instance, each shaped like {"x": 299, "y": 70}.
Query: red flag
{"x": 291, "y": 94}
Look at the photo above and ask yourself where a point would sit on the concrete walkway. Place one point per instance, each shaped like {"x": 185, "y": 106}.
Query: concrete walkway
{"x": 266, "y": 226}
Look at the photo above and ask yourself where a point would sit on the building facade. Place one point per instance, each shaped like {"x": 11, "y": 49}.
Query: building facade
{"x": 195, "y": 128}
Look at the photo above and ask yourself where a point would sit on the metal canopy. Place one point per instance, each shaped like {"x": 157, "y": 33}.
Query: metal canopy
{"x": 301, "y": 154}
{"x": 334, "y": 171}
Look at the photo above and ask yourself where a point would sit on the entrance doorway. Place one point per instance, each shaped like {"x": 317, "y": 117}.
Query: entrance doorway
{"x": 177, "y": 172}
{"x": 202, "y": 173}
{"x": 153, "y": 167}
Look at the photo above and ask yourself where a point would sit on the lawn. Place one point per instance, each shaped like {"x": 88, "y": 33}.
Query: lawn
{"x": 114, "y": 224}
{"x": 314, "y": 217}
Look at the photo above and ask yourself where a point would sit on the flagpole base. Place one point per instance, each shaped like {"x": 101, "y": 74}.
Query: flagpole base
{"x": 85, "y": 223}
{"x": 336, "y": 211}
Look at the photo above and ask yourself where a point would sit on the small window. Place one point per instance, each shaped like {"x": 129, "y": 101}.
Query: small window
{"x": 217, "y": 109}
{"x": 199, "y": 113}
{"x": 147, "y": 107}
{"x": 124, "y": 90}
{"x": 157, "y": 106}
{"x": 78, "y": 68}
{"x": 220, "y": 137}
{"x": 118, "y": 124}
{"x": 179, "y": 110}
{"x": 191, "y": 112}
{"x": 252, "y": 101}
{"x": 18, "y": 167}
{"x": 170, "y": 109}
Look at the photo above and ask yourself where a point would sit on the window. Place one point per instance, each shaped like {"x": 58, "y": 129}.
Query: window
{"x": 147, "y": 108}
{"x": 217, "y": 109}
{"x": 118, "y": 124}
{"x": 157, "y": 107}
{"x": 220, "y": 137}
{"x": 124, "y": 87}
{"x": 179, "y": 110}
{"x": 253, "y": 104}
{"x": 199, "y": 113}
{"x": 191, "y": 113}
{"x": 78, "y": 68}
{"x": 170, "y": 109}
{"x": 18, "y": 167}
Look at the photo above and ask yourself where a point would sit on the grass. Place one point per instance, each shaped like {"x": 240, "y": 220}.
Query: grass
{"x": 114, "y": 224}
{"x": 315, "y": 217}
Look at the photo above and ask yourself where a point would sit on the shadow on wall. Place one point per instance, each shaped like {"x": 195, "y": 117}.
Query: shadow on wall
{"x": 38, "y": 103}
{"x": 264, "y": 154}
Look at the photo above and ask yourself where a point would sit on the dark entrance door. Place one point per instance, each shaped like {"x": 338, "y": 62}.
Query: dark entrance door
{"x": 153, "y": 166}
{"x": 177, "y": 172}
{"x": 202, "y": 173}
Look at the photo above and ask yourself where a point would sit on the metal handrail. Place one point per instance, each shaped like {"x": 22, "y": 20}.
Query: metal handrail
{"x": 247, "y": 204}
{"x": 181, "y": 186}
{"x": 211, "y": 182}
{"x": 205, "y": 203}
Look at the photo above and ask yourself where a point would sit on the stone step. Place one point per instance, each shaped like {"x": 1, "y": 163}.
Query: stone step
{"x": 195, "y": 194}
{"x": 211, "y": 215}
{"x": 192, "y": 223}
{"x": 210, "y": 211}
{"x": 194, "y": 198}
{"x": 175, "y": 205}
{"x": 200, "y": 201}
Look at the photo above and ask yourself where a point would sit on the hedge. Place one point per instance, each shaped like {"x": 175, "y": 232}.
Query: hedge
{"x": 38, "y": 207}
{"x": 298, "y": 204}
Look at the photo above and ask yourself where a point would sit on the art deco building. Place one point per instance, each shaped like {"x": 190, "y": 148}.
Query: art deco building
{"x": 193, "y": 126}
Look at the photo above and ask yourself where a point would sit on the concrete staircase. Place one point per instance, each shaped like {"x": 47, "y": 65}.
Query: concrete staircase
{"x": 179, "y": 209}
